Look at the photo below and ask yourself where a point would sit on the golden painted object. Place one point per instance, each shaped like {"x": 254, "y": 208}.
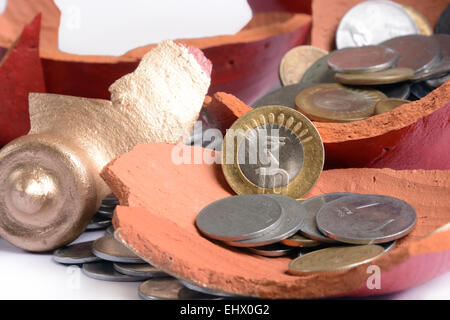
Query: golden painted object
{"x": 387, "y": 105}
{"x": 422, "y": 23}
{"x": 334, "y": 259}
{"x": 300, "y": 241}
{"x": 294, "y": 169}
{"x": 388, "y": 76}
{"x": 332, "y": 102}
{"x": 51, "y": 184}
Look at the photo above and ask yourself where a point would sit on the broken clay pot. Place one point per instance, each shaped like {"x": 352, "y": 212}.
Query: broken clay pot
{"x": 412, "y": 136}
{"x": 51, "y": 186}
{"x": 20, "y": 73}
{"x": 245, "y": 64}
{"x": 158, "y": 220}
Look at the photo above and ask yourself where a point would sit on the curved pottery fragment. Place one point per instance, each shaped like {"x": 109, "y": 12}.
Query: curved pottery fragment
{"x": 245, "y": 64}
{"x": 155, "y": 220}
{"x": 412, "y": 136}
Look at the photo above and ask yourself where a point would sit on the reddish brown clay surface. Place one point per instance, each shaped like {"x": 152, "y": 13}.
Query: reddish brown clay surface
{"x": 327, "y": 14}
{"x": 244, "y": 64}
{"x": 161, "y": 201}
{"x": 20, "y": 73}
{"x": 412, "y": 136}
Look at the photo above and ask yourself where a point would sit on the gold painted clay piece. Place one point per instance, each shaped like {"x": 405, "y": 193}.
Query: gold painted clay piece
{"x": 51, "y": 186}
{"x": 334, "y": 259}
{"x": 387, "y": 105}
{"x": 300, "y": 241}
{"x": 422, "y": 23}
{"x": 388, "y": 76}
{"x": 332, "y": 102}
{"x": 288, "y": 158}
{"x": 296, "y": 61}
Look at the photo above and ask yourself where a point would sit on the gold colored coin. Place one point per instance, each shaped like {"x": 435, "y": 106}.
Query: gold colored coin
{"x": 332, "y": 102}
{"x": 388, "y": 76}
{"x": 422, "y": 23}
{"x": 334, "y": 259}
{"x": 387, "y": 105}
{"x": 272, "y": 150}
{"x": 299, "y": 241}
{"x": 296, "y": 61}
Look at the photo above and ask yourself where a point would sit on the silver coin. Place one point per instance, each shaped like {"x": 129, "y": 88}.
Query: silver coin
{"x": 437, "y": 82}
{"x": 284, "y": 96}
{"x": 311, "y": 208}
{"x": 292, "y": 219}
{"x": 104, "y": 270}
{"x": 319, "y": 72}
{"x": 99, "y": 222}
{"x": 110, "y": 199}
{"x": 417, "y": 52}
{"x": 399, "y": 90}
{"x": 442, "y": 67}
{"x": 388, "y": 246}
{"x": 366, "y": 58}
{"x": 272, "y": 250}
{"x": 420, "y": 90}
{"x": 139, "y": 270}
{"x": 110, "y": 230}
{"x": 108, "y": 248}
{"x": 206, "y": 290}
{"x": 78, "y": 253}
{"x": 239, "y": 217}
{"x": 371, "y": 22}
{"x": 366, "y": 219}
{"x": 169, "y": 289}
{"x": 107, "y": 214}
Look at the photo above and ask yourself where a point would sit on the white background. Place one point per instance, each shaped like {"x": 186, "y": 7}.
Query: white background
{"x": 87, "y": 29}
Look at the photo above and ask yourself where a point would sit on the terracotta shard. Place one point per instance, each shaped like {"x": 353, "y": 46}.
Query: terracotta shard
{"x": 245, "y": 63}
{"x": 20, "y": 74}
{"x": 224, "y": 109}
{"x": 327, "y": 14}
{"x": 157, "y": 220}
{"x": 403, "y": 138}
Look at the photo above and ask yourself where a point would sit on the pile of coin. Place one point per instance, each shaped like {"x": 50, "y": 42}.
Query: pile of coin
{"x": 103, "y": 216}
{"x": 384, "y": 59}
{"x": 329, "y": 232}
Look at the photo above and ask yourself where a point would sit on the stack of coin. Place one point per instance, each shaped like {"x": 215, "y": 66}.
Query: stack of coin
{"x": 329, "y": 232}
{"x": 103, "y": 216}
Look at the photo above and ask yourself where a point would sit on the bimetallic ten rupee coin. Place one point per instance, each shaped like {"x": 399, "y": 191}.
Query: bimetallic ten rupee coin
{"x": 296, "y": 61}
{"x": 362, "y": 59}
{"x": 364, "y": 219}
{"x": 78, "y": 253}
{"x": 388, "y": 76}
{"x": 239, "y": 217}
{"x": 311, "y": 207}
{"x": 272, "y": 149}
{"x": 389, "y": 104}
{"x": 371, "y": 22}
{"x": 334, "y": 259}
{"x": 104, "y": 270}
{"x": 336, "y": 103}
{"x": 108, "y": 248}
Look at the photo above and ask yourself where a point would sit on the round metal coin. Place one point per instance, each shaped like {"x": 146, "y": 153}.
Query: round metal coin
{"x": 272, "y": 149}
{"x": 335, "y": 103}
{"x": 442, "y": 67}
{"x": 272, "y": 250}
{"x": 399, "y": 90}
{"x": 99, "y": 222}
{"x": 139, "y": 270}
{"x": 104, "y": 270}
{"x": 311, "y": 207}
{"x": 420, "y": 90}
{"x": 319, "y": 72}
{"x": 437, "y": 82}
{"x": 284, "y": 96}
{"x": 239, "y": 217}
{"x": 296, "y": 61}
{"x": 417, "y": 52}
{"x": 421, "y": 22}
{"x": 362, "y": 59}
{"x": 206, "y": 290}
{"x": 108, "y": 248}
{"x": 169, "y": 289}
{"x": 364, "y": 219}
{"x": 300, "y": 241}
{"x": 334, "y": 259}
{"x": 387, "y": 105}
{"x": 292, "y": 219}
{"x": 371, "y": 22}
{"x": 78, "y": 253}
{"x": 388, "y": 76}
{"x": 443, "y": 23}
{"x": 110, "y": 230}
